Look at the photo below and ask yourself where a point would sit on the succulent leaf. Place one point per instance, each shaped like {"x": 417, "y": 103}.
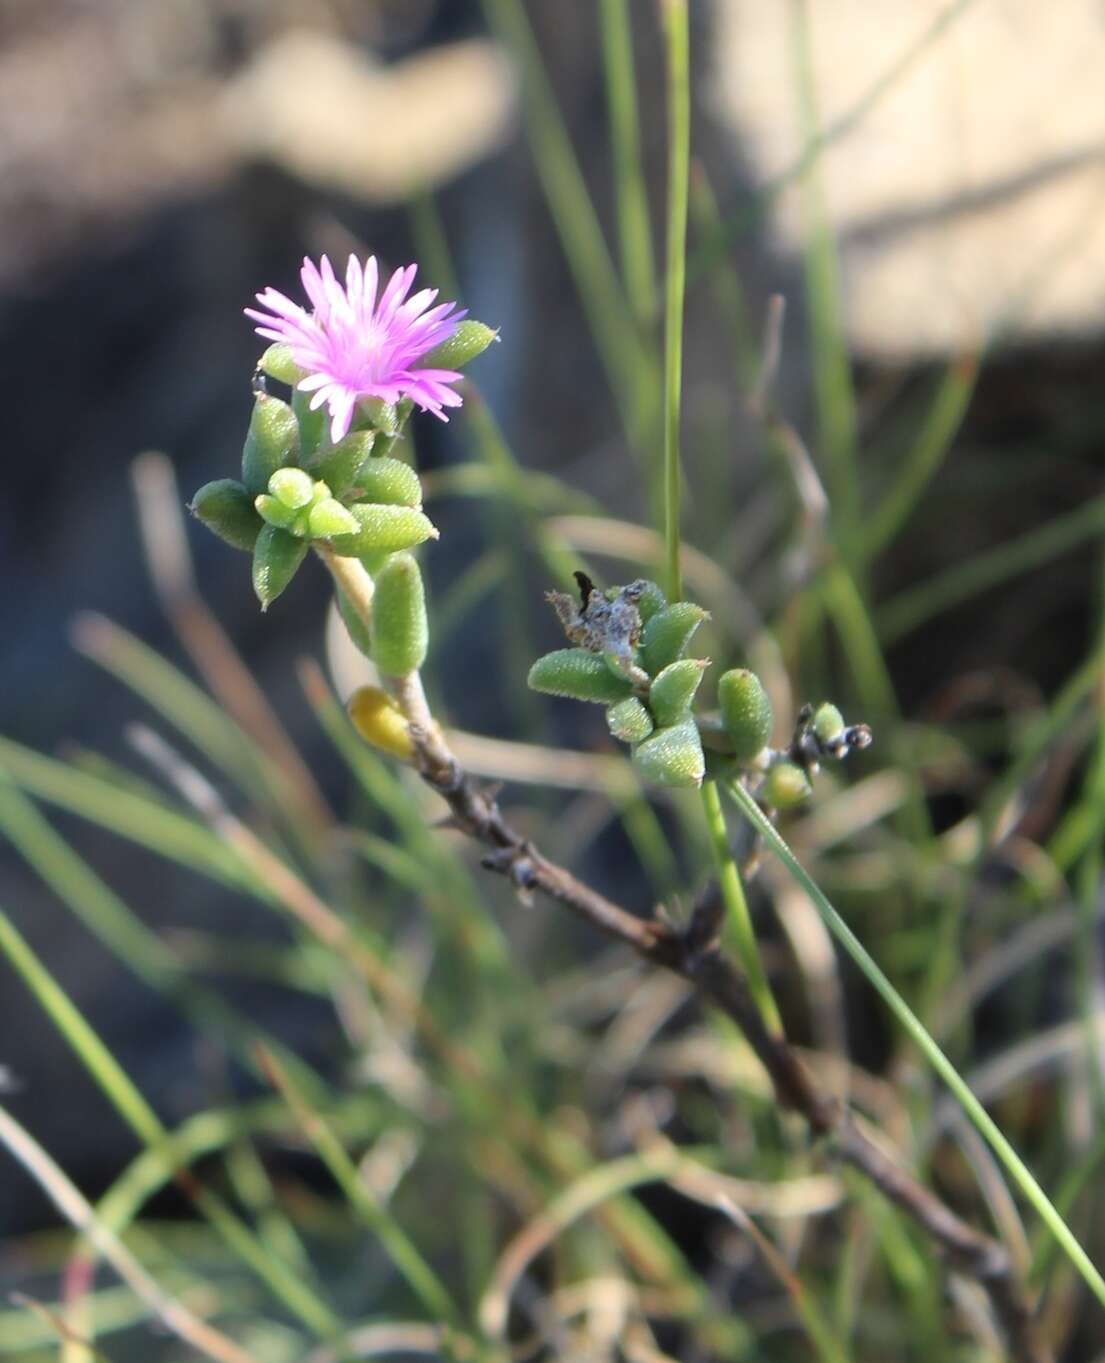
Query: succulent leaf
{"x": 629, "y": 720}
{"x": 400, "y": 630}
{"x": 276, "y": 557}
{"x": 667, "y": 634}
{"x": 672, "y": 756}
{"x": 225, "y": 507}
{"x": 673, "y": 690}
{"x": 272, "y": 442}
{"x": 384, "y": 529}
{"x": 745, "y": 711}
{"x": 579, "y": 675}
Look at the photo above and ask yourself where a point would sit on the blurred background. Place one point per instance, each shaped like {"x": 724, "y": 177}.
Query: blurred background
{"x": 923, "y": 183}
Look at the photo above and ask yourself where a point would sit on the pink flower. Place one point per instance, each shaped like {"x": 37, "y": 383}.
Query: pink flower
{"x": 355, "y": 345}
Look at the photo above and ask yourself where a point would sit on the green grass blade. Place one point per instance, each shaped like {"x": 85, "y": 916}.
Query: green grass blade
{"x": 144, "y": 821}
{"x": 923, "y": 459}
{"x": 121, "y": 1092}
{"x": 912, "y": 1026}
{"x": 634, "y": 229}
{"x": 105, "y": 915}
{"x": 677, "y": 47}
{"x": 400, "y": 1249}
{"x": 832, "y": 373}
{"x": 990, "y": 569}
{"x": 621, "y": 352}
{"x": 184, "y": 704}
{"x": 739, "y": 920}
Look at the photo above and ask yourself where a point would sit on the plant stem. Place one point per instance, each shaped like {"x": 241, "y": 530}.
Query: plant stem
{"x": 674, "y": 17}
{"x": 736, "y": 907}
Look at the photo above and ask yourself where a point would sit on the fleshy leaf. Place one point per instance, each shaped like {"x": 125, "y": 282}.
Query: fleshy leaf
{"x": 400, "y": 630}
{"x": 667, "y": 634}
{"x": 629, "y": 720}
{"x": 225, "y": 507}
{"x": 579, "y": 675}
{"x": 272, "y": 442}
{"x": 470, "y": 339}
{"x": 672, "y": 756}
{"x": 384, "y": 529}
{"x": 745, "y": 711}
{"x": 276, "y": 557}
{"x": 673, "y": 690}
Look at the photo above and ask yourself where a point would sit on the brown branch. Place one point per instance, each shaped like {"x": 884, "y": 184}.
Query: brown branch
{"x": 694, "y": 954}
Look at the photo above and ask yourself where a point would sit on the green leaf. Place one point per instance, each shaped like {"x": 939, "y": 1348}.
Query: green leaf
{"x": 338, "y": 465}
{"x": 384, "y": 529}
{"x": 400, "y": 630}
{"x": 672, "y": 756}
{"x": 470, "y": 339}
{"x": 390, "y": 482}
{"x": 629, "y": 720}
{"x": 745, "y": 711}
{"x": 277, "y": 362}
{"x": 667, "y": 634}
{"x": 272, "y": 442}
{"x": 225, "y": 507}
{"x": 672, "y": 692}
{"x": 579, "y": 675}
{"x": 276, "y": 558}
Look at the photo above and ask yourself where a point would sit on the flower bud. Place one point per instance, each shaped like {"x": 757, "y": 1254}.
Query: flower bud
{"x": 225, "y": 507}
{"x": 667, "y": 634}
{"x": 579, "y": 675}
{"x": 785, "y": 786}
{"x": 338, "y": 465}
{"x": 292, "y": 487}
{"x": 629, "y": 720}
{"x": 274, "y": 512}
{"x": 470, "y": 339}
{"x": 745, "y": 711}
{"x": 278, "y": 364}
{"x": 400, "y": 630}
{"x": 379, "y": 721}
{"x": 671, "y": 693}
{"x": 384, "y": 529}
{"x": 276, "y": 556}
{"x": 328, "y": 518}
{"x": 271, "y": 442}
{"x": 672, "y": 756}
{"x": 389, "y": 481}
{"x": 828, "y": 722}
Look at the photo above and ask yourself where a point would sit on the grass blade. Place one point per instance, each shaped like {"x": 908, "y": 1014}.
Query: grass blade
{"x": 913, "y": 1027}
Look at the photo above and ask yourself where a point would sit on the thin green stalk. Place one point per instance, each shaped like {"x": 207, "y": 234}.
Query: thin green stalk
{"x": 832, "y": 375}
{"x": 114, "y": 924}
{"x": 121, "y": 1092}
{"x": 990, "y": 569}
{"x": 913, "y": 1027}
{"x": 726, "y": 288}
{"x": 627, "y": 363}
{"x": 736, "y": 907}
{"x": 677, "y": 46}
{"x": 396, "y": 1244}
{"x": 634, "y": 231}
{"x": 924, "y": 457}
